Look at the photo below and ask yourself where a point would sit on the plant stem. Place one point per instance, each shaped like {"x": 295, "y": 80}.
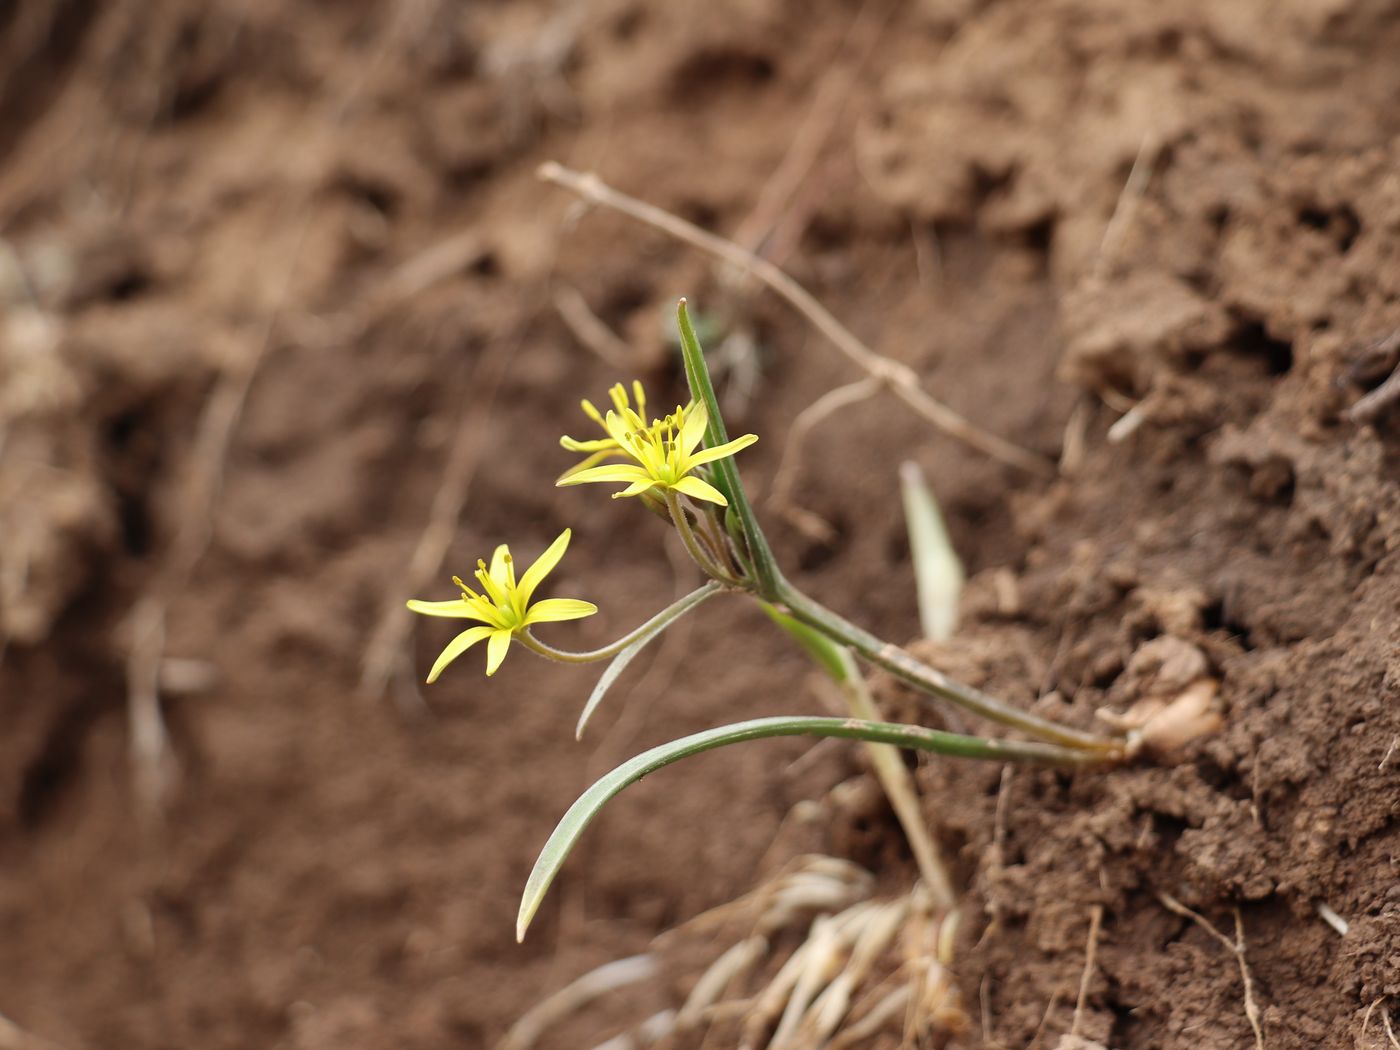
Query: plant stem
{"x": 918, "y": 674}
{"x": 656, "y": 623}
{"x": 692, "y": 544}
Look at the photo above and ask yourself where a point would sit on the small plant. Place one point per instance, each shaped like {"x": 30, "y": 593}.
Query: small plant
{"x": 681, "y": 466}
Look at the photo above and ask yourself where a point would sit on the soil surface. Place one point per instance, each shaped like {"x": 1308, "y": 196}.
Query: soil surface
{"x": 287, "y": 315}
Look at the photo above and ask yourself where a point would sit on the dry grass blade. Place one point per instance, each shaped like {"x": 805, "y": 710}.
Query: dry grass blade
{"x": 898, "y": 785}
{"x": 890, "y": 1006}
{"x": 657, "y": 1026}
{"x": 574, "y": 996}
{"x": 900, "y": 379}
{"x": 938, "y": 572}
{"x": 736, "y": 960}
{"x": 831, "y": 1007}
{"x": 1236, "y": 947}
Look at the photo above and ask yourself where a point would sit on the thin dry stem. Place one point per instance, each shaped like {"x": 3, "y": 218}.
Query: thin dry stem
{"x": 387, "y": 642}
{"x": 1237, "y": 947}
{"x": 785, "y": 478}
{"x": 575, "y": 995}
{"x": 588, "y": 328}
{"x": 882, "y": 1013}
{"x": 899, "y": 378}
{"x": 1090, "y": 951}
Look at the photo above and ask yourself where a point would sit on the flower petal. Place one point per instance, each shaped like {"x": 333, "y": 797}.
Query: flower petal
{"x": 502, "y": 569}
{"x": 552, "y": 609}
{"x": 458, "y": 646}
{"x": 697, "y": 489}
{"x": 592, "y": 445}
{"x": 496, "y": 650}
{"x": 693, "y": 429}
{"x": 636, "y": 488}
{"x": 456, "y": 609}
{"x": 588, "y": 462}
{"x": 709, "y": 455}
{"x": 611, "y": 472}
{"x": 544, "y": 564}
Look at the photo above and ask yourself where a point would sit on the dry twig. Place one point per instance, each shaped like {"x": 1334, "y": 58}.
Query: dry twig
{"x": 1237, "y": 947}
{"x": 899, "y": 378}
{"x": 1091, "y": 949}
{"x": 785, "y": 478}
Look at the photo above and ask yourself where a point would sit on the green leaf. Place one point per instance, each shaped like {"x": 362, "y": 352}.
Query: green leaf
{"x": 726, "y": 472}
{"x": 834, "y": 658}
{"x": 644, "y": 634}
{"x": 582, "y": 812}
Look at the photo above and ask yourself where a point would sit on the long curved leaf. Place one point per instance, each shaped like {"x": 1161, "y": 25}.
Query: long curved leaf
{"x": 645, "y": 633}
{"x": 582, "y": 812}
{"x": 726, "y": 472}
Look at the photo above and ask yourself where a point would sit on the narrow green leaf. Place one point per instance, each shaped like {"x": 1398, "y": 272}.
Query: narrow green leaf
{"x": 725, "y": 471}
{"x": 833, "y": 657}
{"x": 644, "y": 634}
{"x": 938, "y": 573}
{"x": 582, "y": 812}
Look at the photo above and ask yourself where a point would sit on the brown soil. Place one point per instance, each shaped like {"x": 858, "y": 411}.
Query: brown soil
{"x": 339, "y": 202}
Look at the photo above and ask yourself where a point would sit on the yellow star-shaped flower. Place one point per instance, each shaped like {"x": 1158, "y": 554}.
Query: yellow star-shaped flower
{"x": 504, "y": 607}
{"x": 663, "y": 454}
{"x": 601, "y": 449}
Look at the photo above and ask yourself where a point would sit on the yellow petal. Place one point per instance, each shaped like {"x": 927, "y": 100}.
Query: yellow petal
{"x": 617, "y": 427}
{"x": 697, "y": 489}
{"x": 502, "y": 568}
{"x": 709, "y": 455}
{"x": 636, "y": 488}
{"x": 591, "y": 461}
{"x": 496, "y": 651}
{"x": 591, "y": 412}
{"x": 612, "y": 472}
{"x": 457, "y": 609}
{"x": 457, "y": 647}
{"x": 592, "y": 445}
{"x": 552, "y": 609}
{"x": 693, "y": 429}
{"x": 544, "y": 564}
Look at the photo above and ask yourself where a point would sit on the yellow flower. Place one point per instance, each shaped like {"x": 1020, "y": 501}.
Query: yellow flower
{"x": 504, "y": 606}
{"x": 663, "y": 454}
{"x": 606, "y": 448}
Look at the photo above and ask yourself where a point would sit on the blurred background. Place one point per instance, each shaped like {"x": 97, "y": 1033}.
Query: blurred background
{"x": 289, "y": 329}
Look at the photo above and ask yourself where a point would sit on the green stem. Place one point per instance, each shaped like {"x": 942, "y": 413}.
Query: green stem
{"x": 656, "y": 623}
{"x": 692, "y": 544}
{"x": 918, "y": 674}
